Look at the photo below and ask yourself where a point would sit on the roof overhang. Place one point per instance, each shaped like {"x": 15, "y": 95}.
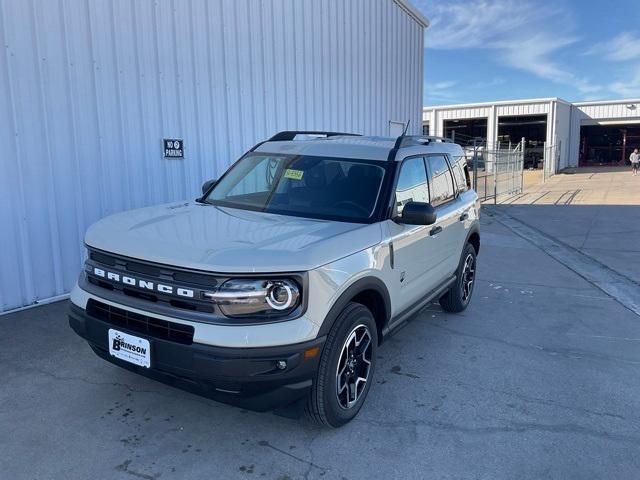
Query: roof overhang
{"x": 500, "y": 102}
{"x": 413, "y": 12}
{"x": 628, "y": 101}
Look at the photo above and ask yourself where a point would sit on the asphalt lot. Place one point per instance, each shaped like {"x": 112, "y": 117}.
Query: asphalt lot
{"x": 539, "y": 378}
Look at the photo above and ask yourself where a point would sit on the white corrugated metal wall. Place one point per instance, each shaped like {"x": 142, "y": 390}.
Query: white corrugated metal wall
{"x": 626, "y": 111}
{"x": 436, "y": 116}
{"x": 562, "y": 133}
{"x": 88, "y": 88}
{"x": 564, "y": 120}
{"x": 557, "y": 111}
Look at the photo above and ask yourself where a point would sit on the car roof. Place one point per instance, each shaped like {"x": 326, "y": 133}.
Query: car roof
{"x": 361, "y": 147}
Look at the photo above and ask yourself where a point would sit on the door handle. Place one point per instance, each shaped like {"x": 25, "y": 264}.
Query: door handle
{"x": 464, "y": 216}
{"x": 435, "y": 231}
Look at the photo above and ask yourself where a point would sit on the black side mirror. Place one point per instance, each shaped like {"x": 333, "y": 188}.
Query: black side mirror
{"x": 207, "y": 185}
{"x": 418, "y": 213}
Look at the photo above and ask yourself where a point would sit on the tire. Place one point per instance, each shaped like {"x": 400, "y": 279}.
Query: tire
{"x": 459, "y": 295}
{"x": 325, "y": 405}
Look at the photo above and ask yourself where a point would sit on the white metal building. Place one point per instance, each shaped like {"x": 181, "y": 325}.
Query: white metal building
{"x": 89, "y": 90}
{"x": 584, "y": 133}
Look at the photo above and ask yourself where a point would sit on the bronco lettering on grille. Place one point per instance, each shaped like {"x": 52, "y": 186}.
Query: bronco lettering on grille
{"x": 143, "y": 284}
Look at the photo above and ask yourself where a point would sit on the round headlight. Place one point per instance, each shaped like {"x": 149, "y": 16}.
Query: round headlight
{"x": 240, "y": 297}
{"x": 281, "y": 295}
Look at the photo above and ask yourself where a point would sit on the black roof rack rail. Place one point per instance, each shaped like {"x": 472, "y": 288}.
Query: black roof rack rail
{"x": 289, "y": 135}
{"x": 411, "y": 140}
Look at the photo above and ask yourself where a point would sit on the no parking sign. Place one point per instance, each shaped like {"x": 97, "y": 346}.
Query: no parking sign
{"x": 173, "y": 148}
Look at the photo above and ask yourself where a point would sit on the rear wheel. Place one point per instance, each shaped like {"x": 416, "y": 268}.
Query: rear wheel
{"x": 459, "y": 295}
{"x": 346, "y": 368}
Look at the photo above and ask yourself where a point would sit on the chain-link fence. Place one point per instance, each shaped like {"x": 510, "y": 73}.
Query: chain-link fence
{"x": 541, "y": 163}
{"x": 504, "y": 169}
{"x": 496, "y": 170}
{"x": 551, "y": 160}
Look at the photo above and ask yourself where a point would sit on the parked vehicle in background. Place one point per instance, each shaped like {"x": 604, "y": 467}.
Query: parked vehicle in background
{"x": 279, "y": 283}
{"x": 475, "y": 155}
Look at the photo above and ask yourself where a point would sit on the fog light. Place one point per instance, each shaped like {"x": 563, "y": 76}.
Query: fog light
{"x": 281, "y": 364}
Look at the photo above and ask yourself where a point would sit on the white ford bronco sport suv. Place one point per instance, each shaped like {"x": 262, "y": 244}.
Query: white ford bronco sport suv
{"x": 276, "y": 287}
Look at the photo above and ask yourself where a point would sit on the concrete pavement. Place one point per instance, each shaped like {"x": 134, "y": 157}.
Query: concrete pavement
{"x": 581, "y": 186}
{"x": 596, "y": 211}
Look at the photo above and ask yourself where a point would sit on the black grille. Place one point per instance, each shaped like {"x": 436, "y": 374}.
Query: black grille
{"x": 164, "y": 274}
{"x": 205, "y": 280}
{"x": 152, "y": 327}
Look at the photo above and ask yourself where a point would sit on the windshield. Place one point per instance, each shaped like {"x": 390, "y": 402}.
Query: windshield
{"x": 314, "y": 187}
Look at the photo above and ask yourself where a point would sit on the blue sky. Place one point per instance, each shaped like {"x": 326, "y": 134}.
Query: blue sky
{"x": 484, "y": 50}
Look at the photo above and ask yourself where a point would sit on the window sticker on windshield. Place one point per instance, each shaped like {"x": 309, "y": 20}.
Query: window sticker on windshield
{"x": 293, "y": 174}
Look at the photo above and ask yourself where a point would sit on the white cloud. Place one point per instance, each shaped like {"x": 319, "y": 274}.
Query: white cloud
{"x": 489, "y": 83}
{"x": 629, "y": 86}
{"x": 476, "y": 23}
{"x": 441, "y": 91}
{"x": 534, "y": 55}
{"x": 621, "y": 48}
{"x": 449, "y": 90}
{"x": 443, "y": 86}
{"x": 521, "y": 34}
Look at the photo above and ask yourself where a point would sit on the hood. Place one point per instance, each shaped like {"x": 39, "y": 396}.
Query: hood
{"x": 228, "y": 240}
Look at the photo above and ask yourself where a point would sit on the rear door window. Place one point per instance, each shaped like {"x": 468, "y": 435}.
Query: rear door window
{"x": 459, "y": 175}
{"x": 440, "y": 180}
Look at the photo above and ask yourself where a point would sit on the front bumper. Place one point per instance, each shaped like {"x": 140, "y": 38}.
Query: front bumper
{"x": 246, "y": 377}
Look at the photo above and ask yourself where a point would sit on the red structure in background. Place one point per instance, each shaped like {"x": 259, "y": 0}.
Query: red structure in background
{"x": 607, "y": 145}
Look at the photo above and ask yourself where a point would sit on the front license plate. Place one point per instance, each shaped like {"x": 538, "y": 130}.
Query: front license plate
{"x": 129, "y": 348}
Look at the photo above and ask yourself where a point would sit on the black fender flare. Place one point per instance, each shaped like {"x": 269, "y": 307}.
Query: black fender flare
{"x": 366, "y": 283}
{"x": 475, "y": 228}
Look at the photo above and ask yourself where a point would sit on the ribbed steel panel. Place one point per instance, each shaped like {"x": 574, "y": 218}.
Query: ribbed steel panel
{"x": 88, "y": 88}
{"x": 592, "y": 113}
{"x": 562, "y": 133}
{"x": 492, "y": 112}
{"x": 524, "y": 109}
{"x": 564, "y": 119}
{"x": 463, "y": 113}
{"x": 625, "y": 110}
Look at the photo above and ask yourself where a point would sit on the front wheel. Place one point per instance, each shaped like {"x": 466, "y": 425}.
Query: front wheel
{"x": 459, "y": 295}
{"x": 346, "y": 368}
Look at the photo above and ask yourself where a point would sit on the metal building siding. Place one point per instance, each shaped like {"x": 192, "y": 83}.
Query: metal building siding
{"x": 88, "y": 88}
{"x": 564, "y": 121}
{"x": 591, "y": 113}
{"x": 538, "y": 108}
{"x": 610, "y": 110}
{"x": 462, "y": 113}
{"x": 492, "y": 112}
{"x": 562, "y": 133}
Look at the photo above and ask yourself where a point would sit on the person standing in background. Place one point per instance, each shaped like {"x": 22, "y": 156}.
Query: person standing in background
{"x": 634, "y": 158}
